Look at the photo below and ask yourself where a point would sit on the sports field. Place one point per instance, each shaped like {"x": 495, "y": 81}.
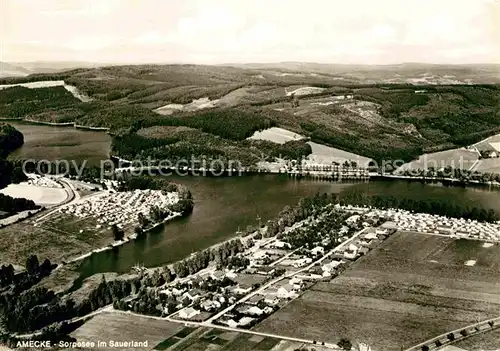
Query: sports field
{"x": 409, "y": 289}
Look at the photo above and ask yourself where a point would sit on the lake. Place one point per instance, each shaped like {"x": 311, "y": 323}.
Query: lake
{"x": 222, "y": 204}
{"x": 43, "y": 142}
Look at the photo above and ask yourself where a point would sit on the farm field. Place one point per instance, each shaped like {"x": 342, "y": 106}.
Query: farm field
{"x": 456, "y": 158}
{"x": 276, "y": 135}
{"x": 407, "y": 290}
{"x": 485, "y": 341}
{"x": 488, "y": 165}
{"x": 326, "y": 155}
{"x": 215, "y": 339}
{"x": 122, "y": 327}
{"x": 320, "y": 153}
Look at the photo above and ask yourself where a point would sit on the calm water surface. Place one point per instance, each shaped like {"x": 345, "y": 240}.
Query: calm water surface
{"x": 222, "y": 205}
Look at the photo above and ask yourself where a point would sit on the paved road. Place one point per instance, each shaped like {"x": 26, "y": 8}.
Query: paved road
{"x": 221, "y": 327}
{"x": 431, "y": 343}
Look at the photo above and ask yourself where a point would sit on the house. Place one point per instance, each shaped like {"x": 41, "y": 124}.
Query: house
{"x": 278, "y": 244}
{"x": 351, "y": 252}
{"x": 353, "y": 219}
{"x": 382, "y": 231}
{"x": 177, "y": 292}
{"x": 272, "y": 301}
{"x": 260, "y": 255}
{"x": 231, "y": 323}
{"x": 301, "y": 262}
{"x": 255, "y": 300}
{"x": 241, "y": 289}
{"x": 209, "y": 305}
{"x": 231, "y": 274}
{"x": 188, "y": 313}
{"x": 193, "y": 294}
{"x": 330, "y": 266}
{"x": 286, "y": 292}
{"x": 370, "y": 236}
{"x": 295, "y": 281}
{"x": 266, "y": 270}
{"x": 217, "y": 275}
{"x": 268, "y": 310}
{"x": 254, "y": 311}
{"x": 245, "y": 321}
{"x": 318, "y": 250}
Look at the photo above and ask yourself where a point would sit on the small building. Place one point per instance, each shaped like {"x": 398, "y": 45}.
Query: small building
{"x": 266, "y": 270}
{"x": 217, "y": 275}
{"x": 278, "y": 244}
{"x": 245, "y": 321}
{"x": 255, "y": 300}
{"x": 254, "y": 311}
{"x": 188, "y": 313}
{"x": 193, "y": 294}
{"x": 272, "y": 301}
{"x": 318, "y": 250}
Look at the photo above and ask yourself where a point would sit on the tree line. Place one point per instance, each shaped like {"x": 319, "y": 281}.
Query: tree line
{"x": 440, "y": 207}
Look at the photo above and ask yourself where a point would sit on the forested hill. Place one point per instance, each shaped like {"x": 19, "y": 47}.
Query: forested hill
{"x": 10, "y": 139}
{"x": 392, "y": 113}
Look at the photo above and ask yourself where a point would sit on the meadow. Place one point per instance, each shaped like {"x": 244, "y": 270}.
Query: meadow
{"x": 407, "y": 290}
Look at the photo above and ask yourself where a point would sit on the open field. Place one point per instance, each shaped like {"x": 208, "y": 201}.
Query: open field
{"x": 41, "y": 195}
{"x": 456, "y": 158}
{"x": 58, "y": 238}
{"x": 122, "y": 327}
{"x": 407, "y": 290}
{"x": 276, "y": 135}
{"x": 488, "y": 165}
{"x": 481, "y": 342}
{"x": 323, "y": 154}
{"x": 215, "y": 339}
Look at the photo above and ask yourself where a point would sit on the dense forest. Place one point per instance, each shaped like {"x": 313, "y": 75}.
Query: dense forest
{"x": 10, "y": 140}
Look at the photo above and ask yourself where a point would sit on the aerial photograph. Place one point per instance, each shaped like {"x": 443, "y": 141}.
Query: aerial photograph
{"x": 235, "y": 175}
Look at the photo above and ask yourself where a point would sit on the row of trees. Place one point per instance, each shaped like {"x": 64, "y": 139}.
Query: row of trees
{"x": 441, "y": 207}
{"x": 221, "y": 254}
{"x": 10, "y": 204}
{"x": 306, "y": 207}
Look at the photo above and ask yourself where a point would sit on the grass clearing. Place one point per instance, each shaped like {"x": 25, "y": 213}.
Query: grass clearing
{"x": 456, "y": 158}
{"x": 22, "y": 239}
{"x": 407, "y": 290}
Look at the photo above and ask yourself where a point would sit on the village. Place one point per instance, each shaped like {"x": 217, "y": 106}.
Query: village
{"x": 271, "y": 272}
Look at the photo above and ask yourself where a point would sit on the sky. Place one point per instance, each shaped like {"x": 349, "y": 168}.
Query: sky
{"x": 239, "y": 31}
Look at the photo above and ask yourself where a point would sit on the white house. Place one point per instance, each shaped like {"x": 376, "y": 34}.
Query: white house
{"x": 231, "y": 274}
{"x": 286, "y": 292}
{"x": 232, "y": 323}
{"x": 254, "y": 311}
{"x": 245, "y": 321}
{"x": 242, "y": 290}
{"x": 188, "y": 313}
{"x": 318, "y": 250}
{"x": 353, "y": 219}
{"x": 278, "y": 244}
